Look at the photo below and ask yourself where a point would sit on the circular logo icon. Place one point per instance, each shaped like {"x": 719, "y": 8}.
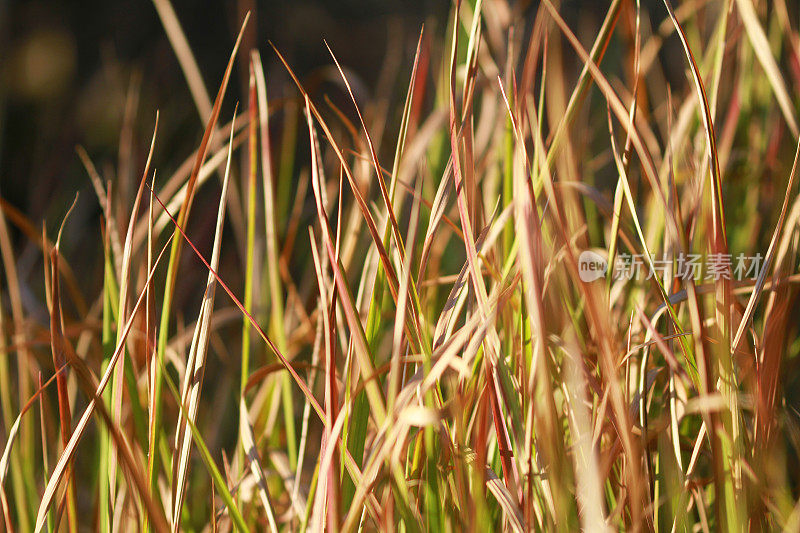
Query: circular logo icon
{"x": 591, "y": 266}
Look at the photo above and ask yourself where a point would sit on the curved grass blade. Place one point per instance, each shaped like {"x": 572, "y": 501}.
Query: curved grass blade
{"x": 172, "y": 266}
{"x": 196, "y": 361}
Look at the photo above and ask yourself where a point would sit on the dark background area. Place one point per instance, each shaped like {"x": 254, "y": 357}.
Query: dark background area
{"x": 66, "y": 68}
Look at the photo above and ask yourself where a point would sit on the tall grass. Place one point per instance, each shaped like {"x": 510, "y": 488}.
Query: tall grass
{"x": 406, "y": 338}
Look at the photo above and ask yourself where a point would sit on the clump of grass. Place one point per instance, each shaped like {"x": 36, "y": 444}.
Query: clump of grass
{"x": 431, "y": 357}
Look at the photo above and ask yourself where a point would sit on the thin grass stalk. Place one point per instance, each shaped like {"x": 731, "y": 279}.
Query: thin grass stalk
{"x": 350, "y": 463}
{"x": 59, "y": 359}
{"x": 24, "y": 485}
{"x": 196, "y": 362}
{"x": 172, "y": 269}
{"x": 277, "y": 325}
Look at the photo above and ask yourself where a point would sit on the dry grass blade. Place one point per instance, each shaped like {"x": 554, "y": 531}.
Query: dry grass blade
{"x": 718, "y": 209}
{"x": 12, "y": 434}
{"x": 273, "y": 264}
{"x": 329, "y": 487}
{"x": 269, "y": 202}
{"x": 387, "y": 199}
{"x": 531, "y": 259}
{"x": 17, "y": 218}
{"x": 177, "y": 184}
{"x": 80, "y": 428}
{"x": 248, "y": 442}
{"x": 124, "y": 276}
{"x": 269, "y": 196}
{"x": 204, "y": 143}
{"x": 25, "y": 358}
{"x": 762, "y": 48}
{"x": 102, "y": 197}
{"x": 505, "y": 499}
{"x": 351, "y": 313}
{"x": 762, "y": 276}
{"x": 350, "y": 464}
{"x": 58, "y": 348}
{"x": 493, "y": 344}
{"x": 362, "y": 204}
{"x": 177, "y": 242}
{"x": 196, "y": 361}
{"x": 185, "y": 56}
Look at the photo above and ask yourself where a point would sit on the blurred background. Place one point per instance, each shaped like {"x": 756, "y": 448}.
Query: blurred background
{"x": 69, "y": 70}
{"x": 68, "y": 67}
{"x": 82, "y": 73}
